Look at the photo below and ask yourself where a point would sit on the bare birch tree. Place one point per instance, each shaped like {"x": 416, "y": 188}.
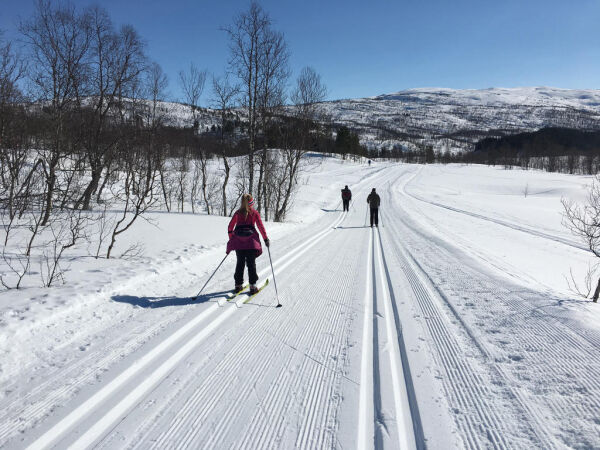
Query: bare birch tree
{"x": 583, "y": 220}
{"x": 116, "y": 60}
{"x": 223, "y": 98}
{"x": 274, "y": 73}
{"x": 192, "y": 83}
{"x": 309, "y": 91}
{"x": 246, "y": 39}
{"x": 58, "y": 39}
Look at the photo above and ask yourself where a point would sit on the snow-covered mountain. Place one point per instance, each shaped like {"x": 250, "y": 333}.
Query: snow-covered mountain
{"x": 454, "y": 119}
{"x": 450, "y": 119}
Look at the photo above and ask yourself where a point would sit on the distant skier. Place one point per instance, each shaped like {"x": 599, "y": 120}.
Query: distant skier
{"x": 369, "y": 162}
{"x": 374, "y": 201}
{"x": 346, "y": 197}
{"x": 244, "y": 239}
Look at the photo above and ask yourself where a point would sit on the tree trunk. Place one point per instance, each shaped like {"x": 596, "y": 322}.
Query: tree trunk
{"x": 596, "y": 292}
{"x": 225, "y": 181}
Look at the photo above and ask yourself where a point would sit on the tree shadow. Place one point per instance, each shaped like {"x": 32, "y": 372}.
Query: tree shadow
{"x": 349, "y": 228}
{"x": 330, "y": 210}
{"x": 162, "y": 302}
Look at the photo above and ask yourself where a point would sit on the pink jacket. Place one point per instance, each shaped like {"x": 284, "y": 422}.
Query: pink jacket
{"x": 243, "y": 234}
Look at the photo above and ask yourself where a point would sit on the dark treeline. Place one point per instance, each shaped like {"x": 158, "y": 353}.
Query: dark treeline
{"x": 563, "y": 150}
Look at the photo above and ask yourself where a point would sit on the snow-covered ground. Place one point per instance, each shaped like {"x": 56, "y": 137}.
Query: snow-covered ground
{"x": 449, "y": 326}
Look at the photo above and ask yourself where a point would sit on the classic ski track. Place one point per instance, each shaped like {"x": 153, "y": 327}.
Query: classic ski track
{"x": 26, "y": 410}
{"x": 412, "y": 418}
{"x": 403, "y": 420}
{"x": 30, "y": 411}
{"x": 541, "y": 336}
{"x": 463, "y": 383}
{"x": 378, "y": 359}
{"x": 275, "y": 393}
{"x": 207, "y": 310}
{"x": 366, "y": 405}
{"x": 81, "y": 373}
{"x": 496, "y": 221}
{"x": 262, "y": 432}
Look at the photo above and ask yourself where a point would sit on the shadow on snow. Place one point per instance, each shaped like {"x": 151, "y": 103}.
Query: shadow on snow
{"x": 162, "y": 302}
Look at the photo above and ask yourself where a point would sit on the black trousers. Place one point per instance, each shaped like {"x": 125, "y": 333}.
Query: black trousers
{"x": 375, "y": 216}
{"x": 245, "y": 258}
{"x": 346, "y": 203}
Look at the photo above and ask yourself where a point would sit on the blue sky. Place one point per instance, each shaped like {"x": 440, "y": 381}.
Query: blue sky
{"x": 366, "y": 48}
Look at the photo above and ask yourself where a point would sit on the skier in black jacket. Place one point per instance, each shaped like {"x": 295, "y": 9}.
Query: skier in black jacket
{"x": 374, "y": 201}
{"x": 346, "y": 197}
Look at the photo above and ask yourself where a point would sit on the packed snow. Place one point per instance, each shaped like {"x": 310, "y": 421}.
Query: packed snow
{"x": 451, "y": 325}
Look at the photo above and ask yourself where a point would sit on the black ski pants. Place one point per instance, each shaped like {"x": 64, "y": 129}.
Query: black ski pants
{"x": 375, "y": 217}
{"x": 346, "y": 202}
{"x": 245, "y": 258}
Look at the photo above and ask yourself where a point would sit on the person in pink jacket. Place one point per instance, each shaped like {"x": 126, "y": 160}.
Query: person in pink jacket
{"x": 244, "y": 239}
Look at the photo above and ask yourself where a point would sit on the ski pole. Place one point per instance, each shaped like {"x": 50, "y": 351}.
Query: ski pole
{"x": 274, "y": 280}
{"x": 210, "y": 278}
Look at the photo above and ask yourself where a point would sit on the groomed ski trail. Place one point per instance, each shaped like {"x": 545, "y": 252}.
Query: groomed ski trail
{"x": 465, "y": 307}
{"x": 388, "y": 338}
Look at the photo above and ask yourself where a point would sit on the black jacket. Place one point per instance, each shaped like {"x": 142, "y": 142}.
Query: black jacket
{"x": 373, "y": 200}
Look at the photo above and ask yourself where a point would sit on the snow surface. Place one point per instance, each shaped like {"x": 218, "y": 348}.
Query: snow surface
{"x": 449, "y": 326}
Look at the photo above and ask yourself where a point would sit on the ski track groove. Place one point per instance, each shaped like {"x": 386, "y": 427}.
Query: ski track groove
{"x": 84, "y": 370}
{"x": 409, "y": 394}
{"x": 317, "y": 370}
{"x": 318, "y": 237}
{"x": 366, "y": 405}
{"x": 220, "y": 429}
{"x": 30, "y": 411}
{"x": 79, "y": 374}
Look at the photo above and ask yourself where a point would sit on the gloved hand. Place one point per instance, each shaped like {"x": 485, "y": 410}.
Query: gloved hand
{"x": 267, "y": 243}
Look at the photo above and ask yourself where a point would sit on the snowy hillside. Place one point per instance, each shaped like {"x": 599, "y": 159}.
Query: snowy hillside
{"x": 445, "y": 118}
{"x": 451, "y": 325}
{"x": 453, "y": 119}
